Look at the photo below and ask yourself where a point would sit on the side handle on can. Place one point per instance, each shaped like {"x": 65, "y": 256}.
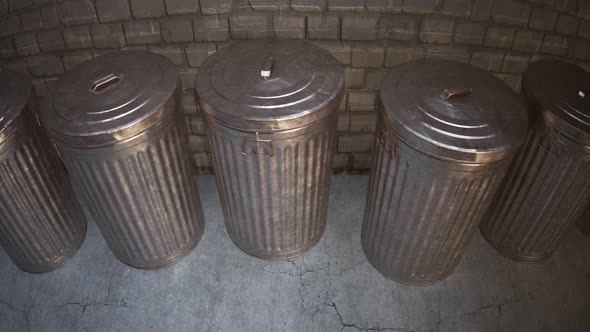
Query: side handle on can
{"x": 259, "y": 146}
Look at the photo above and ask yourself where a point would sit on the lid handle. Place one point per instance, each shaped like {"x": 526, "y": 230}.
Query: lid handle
{"x": 454, "y": 93}
{"x": 267, "y": 68}
{"x": 105, "y": 82}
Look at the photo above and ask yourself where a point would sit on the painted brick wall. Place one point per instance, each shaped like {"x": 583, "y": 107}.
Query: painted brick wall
{"x": 47, "y": 37}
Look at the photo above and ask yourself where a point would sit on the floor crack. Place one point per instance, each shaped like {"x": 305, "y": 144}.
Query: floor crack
{"x": 345, "y": 325}
{"x": 26, "y": 310}
{"x": 79, "y": 317}
{"x": 351, "y": 267}
{"x": 498, "y": 307}
{"x": 300, "y": 273}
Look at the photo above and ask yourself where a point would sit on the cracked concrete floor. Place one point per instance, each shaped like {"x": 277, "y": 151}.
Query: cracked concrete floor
{"x": 331, "y": 288}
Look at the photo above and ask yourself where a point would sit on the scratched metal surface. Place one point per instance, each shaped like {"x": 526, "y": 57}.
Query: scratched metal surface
{"x": 272, "y": 132}
{"x": 547, "y": 186}
{"x": 437, "y": 163}
{"x": 41, "y": 223}
{"x": 330, "y": 288}
{"x": 116, "y": 122}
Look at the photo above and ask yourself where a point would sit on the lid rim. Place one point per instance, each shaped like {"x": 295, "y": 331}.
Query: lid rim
{"x": 323, "y": 111}
{"x": 305, "y": 81}
{"x": 147, "y": 90}
{"x": 160, "y": 117}
{"x": 468, "y": 129}
{"x": 489, "y": 157}
{"x": 544, "y": 85}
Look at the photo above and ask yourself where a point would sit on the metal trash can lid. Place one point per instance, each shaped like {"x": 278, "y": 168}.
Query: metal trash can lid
{"x": 269, "y": 84}
{"x": 453, "y": 111}
{"x": 110, "y": 98}
{"x": 15, "y": 91}
{"x": 560, "y": 91}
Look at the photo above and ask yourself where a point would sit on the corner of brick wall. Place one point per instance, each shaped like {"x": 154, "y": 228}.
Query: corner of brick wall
{"x": 44, "y": 38}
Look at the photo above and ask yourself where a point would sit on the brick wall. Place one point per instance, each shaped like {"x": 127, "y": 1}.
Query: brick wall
{"x": 47, "y": 37}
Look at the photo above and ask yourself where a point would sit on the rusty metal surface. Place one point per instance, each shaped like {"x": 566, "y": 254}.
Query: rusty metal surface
{"x": 547, "y": 187}
{"x": 422, "y": 212}
{"x": 127, "y": 153}
{"x": 270, "y": 110}
{"x": 440, "y": 154}
{"x": 41, "y": 223}
{"x": 275, "y": 206}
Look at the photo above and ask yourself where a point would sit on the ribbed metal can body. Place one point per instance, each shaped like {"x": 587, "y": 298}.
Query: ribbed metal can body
{"x": 274, "y": 188}
{"x": 270, "y": 108}
{"x": 544, "y": 193}
{"x": 142, "y": 195}
{"x": 584, "y": 222}
{"x": 422, "y": 212}
{"x": 547, "y": 188}
{"x": 117, "y": 122}
{"x": 41, "y": 223}
{"x": 446, "y": 134}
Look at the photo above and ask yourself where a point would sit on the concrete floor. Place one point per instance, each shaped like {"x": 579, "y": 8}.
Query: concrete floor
{"x": 331, "y": 288}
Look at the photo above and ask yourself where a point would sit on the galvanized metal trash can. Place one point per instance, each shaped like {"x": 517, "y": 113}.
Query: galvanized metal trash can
{"x": 270, "y": 107}
{"x": 117, "y": 122}
{"x": 548, "y": 186}
{"x": 446, "y": 134}
{"x": 41, "y": 223}
{"x": 584, "y": 222}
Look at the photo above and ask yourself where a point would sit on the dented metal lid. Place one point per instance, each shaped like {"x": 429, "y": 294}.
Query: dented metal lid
{"x": 560, "y": 92}
{"x": 110, "y": 98}
{"x": 16, "y": 90}
{"x": 269, "y": 85}
{"x": 453, "y": 111}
